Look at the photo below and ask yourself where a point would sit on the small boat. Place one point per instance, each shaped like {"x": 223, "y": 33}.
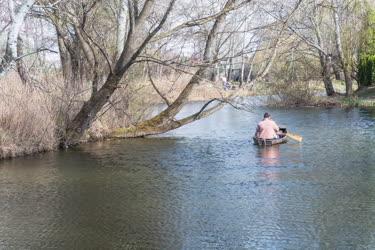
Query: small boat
{"x": 269, "y": 142}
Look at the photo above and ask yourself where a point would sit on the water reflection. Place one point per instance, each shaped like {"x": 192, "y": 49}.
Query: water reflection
{"x": 270, "y": 156}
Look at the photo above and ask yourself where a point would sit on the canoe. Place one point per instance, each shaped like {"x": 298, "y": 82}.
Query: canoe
{"x": 270, "y": 142}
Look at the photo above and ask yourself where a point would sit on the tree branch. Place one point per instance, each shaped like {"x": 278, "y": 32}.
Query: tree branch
{"x": 154, "y": 86}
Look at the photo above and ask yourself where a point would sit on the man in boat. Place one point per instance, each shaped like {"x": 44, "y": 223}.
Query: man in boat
{"x": 267, "y": 128}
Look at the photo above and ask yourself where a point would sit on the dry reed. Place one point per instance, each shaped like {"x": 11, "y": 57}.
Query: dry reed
{"x": 26, "y": 123}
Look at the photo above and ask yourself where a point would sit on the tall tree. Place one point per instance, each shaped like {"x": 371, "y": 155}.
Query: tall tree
{"x": 339, "y": 47}
{"x": 312, "y": 27}
{"x": 136, "y": 41}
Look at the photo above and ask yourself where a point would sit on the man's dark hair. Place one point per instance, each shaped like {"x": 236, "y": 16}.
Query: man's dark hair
{"x": 266, "y": 115}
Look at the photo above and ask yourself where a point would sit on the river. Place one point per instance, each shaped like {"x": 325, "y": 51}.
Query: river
{"x": 203, "y": 186}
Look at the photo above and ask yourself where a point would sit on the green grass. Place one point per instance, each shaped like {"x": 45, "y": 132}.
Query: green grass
{"x": 363, "y": 98}
{"x": 358, "y": 102}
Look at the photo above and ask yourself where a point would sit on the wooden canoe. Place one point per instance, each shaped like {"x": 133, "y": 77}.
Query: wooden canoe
{"x": 270, "y": 142}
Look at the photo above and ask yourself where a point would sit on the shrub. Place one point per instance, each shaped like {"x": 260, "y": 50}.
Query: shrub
{"x": 366, "y": 65}
{"x": 26, "y": 123}
{"x": 296, "y": 93}
{"x": 366, "y": 69}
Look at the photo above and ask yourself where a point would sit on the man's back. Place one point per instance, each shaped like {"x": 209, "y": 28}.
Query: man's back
{"x": 267, "y": 129}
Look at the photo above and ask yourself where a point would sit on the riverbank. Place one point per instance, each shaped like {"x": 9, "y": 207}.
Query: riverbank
{"x": 337, "y": 101}
{"x": 313, "y": 95}
{"x": 363, "y": 98}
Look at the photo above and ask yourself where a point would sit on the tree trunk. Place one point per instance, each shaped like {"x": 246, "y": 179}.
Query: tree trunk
{"x": 153, "y": 127}
{"x": 121, "y": 28}
{"x": 229, "y": 72}
{"x": 90, "y": 109}
{"x": 21, "y": 67}
{"x": 348, "y": 82}
{"x": 242, "y": 72}
{"x": 10, "y": 56}
{"x": 65, "y": 57}
{"x": 242, "y": 62}
{"x": 71, "y": 56}
{"x": 248, "y": 78}
{"x": 343, "y": 61}
{"x": 337, "y": 71}
{"x": 325, "y": 62}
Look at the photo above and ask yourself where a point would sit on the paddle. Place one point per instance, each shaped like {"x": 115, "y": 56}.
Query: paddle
{"x": 294, "y": 137}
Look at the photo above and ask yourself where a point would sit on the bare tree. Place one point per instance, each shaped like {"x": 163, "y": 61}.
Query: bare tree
{"x": 307, "y": 27}
{"x": 17, "y": 19}
{"x": 136, "y": 41}
{"x": 339, "y": 47}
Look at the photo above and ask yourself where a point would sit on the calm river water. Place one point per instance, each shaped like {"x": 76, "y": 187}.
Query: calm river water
{"x": 204, "y": 186}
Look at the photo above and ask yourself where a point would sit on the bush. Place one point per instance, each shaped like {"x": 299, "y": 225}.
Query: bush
{"x": 26, "y": 123}
{"x": 366, "y": 70}
{"x": 293, "y": 94}
{"x": 366, "y": 65}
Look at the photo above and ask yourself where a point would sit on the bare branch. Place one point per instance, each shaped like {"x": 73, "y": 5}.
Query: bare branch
{"x": 154, "y": 86}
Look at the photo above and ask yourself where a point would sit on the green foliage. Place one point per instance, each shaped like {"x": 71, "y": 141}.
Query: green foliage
{"x": 366, "y": 66}
{"x": 366, "y": 69}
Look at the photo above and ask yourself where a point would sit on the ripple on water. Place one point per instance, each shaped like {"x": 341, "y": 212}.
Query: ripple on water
{"x": 202, "y": 186}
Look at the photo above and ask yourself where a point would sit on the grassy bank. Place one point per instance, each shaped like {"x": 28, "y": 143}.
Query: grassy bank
{"x": 362, "y": 98}
{"x": 357, "y": 102}
{"x": 313, "y": 94}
